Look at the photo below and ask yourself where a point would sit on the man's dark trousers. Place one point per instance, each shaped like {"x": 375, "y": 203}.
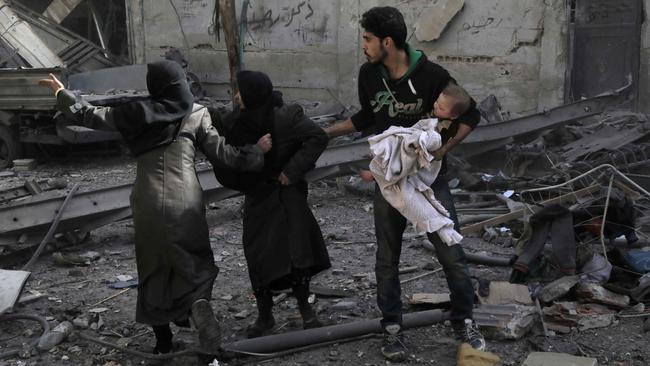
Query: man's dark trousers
{"x": 389, "y": 227}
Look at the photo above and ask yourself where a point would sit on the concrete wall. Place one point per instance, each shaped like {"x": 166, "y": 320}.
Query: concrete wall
{"x": 515, "y": 49}
{"x": 643, "y": 104}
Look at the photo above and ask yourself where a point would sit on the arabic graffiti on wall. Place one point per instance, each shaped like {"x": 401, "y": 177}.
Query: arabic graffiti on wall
{"x": 288, "y": 23}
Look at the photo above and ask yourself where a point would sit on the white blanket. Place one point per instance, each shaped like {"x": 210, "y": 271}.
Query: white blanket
{"x": 404, "y": 169}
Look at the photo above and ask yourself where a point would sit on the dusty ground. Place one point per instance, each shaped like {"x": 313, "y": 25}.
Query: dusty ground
{"x": 346, "y": 222}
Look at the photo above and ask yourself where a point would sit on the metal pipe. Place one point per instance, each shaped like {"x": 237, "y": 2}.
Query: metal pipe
{"x": 279, "y": 342}
{"x": 475, "y": 258}
{"x": 488, "y": 260}
{"x": 98, "y": 28}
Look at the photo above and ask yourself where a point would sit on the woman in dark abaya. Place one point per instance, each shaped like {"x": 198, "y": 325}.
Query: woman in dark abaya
{"x": 282, "y": 241}
{"x": 174, "y": 259}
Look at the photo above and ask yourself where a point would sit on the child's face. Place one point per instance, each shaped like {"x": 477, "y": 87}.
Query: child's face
{"x": 442, "y": 107}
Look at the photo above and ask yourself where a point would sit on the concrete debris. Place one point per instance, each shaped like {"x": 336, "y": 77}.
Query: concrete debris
{"x": 507, "y": 293}
{"x": 558, "y": 288}
{"x": 429, "y": 299}
{"x": 23, "y": 165}
{"x": 344, "y": 305}
{"x": 562, "y": 316}
{"x": 593, "y": 292}
{"x": 556, "y": 359}
{"x": 57, "y": 335}
{"x": 505, "y": 321}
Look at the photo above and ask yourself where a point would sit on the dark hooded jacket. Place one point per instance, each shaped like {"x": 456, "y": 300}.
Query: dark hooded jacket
{"x": 386, "y": 102}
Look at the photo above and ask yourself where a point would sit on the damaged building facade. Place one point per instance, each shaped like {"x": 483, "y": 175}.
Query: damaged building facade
{"x": 532, "y": 55}
{"x": 551, "y": 187}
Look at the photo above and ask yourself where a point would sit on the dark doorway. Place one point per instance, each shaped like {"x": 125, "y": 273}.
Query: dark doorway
{"x": 604, "y": 46}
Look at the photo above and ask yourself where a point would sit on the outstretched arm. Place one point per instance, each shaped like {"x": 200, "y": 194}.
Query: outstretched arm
{"x": 99, "y": 118}
{"x": 220, "y": 154}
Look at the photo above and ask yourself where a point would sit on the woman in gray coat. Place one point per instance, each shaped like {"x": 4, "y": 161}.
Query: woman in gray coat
{"x": 176, "y": 270}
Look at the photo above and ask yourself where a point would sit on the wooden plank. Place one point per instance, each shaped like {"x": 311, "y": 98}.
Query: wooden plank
{"x": 231, "y": 35}
{"x": 520, "y": 213}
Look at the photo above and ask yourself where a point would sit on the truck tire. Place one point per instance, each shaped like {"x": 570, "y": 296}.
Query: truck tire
{"x": 10, "y": 147}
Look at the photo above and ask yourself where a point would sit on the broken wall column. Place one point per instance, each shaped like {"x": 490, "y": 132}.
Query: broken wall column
{"x": 348, "y": 51}
{"x": 136, "y": 31}
{"x": 553, "y": 56}
{"x": 644, "y": 64}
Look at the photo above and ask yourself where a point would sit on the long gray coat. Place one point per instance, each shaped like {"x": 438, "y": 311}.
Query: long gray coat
{"x": 174, "y": 259}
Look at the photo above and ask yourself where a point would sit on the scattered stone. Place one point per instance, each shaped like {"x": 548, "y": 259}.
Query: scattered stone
{"x": 23, "y": 165}
{"x": 81, "y": 322}
{"x": 562, "y": 316}
{"x": 7, "y": 174}
{"x": 558, "y": 288}
{"x": 593, "y": 292}
{"x": 505, "y": 321}
{"x": 226, "y": 297}
{"x": 57, "y": 335}
{"x": 124, "y": 278}
{"x": 280, "y": 297}
{"x": 75, "y": 273}
{"x": 429, "y": 298}
{"x": 68, "y": 259}
{"x": 242, "y": 314}
{"x": 344, "y": 305}
{"x": 75, "y": 349}
{"x": 98, "y": 310}
{"x": 507, "y": 293}
{"x": 91, "y": 255}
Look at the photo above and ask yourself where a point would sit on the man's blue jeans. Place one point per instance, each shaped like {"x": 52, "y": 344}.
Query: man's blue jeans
{"x": 389, "y": 227}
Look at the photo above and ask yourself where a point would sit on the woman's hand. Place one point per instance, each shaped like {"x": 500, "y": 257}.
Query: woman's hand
{"x": 265, "y": 143}
{"x": 283, "y": 179}
{"x": 53, "y": 83}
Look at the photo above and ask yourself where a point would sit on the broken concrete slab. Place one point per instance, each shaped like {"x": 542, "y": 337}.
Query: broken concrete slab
{"x": 554, "y": 359}
{"x": 11, "y": 285}
{"x": 21, "y": 165}
{"x": 507, "y": 293}
{"x": 593, "y": 292}
{"x": 505, "y": 321}
{"x": 558, "y": 288}
{"x": 429, "y": 298}
{"x": 562, "y": 316}
{"x": 434, "y": 20}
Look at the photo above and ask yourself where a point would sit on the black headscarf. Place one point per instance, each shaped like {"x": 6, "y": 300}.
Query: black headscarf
{"x": 257, "y": 117}
{"x": 254, "y": 121}
{"x": 154, "y": 122}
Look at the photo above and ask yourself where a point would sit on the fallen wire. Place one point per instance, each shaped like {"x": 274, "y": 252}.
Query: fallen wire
{"x": 421, "y": 276}
{"x": 166, "y": 356}
{"x": 111, "y": 297}
{"x": 44, "y": 324}
{"x": 52, "y": 229}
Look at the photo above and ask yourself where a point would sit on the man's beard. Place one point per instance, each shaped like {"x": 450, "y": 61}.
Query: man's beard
{"x": 381, "y": 56}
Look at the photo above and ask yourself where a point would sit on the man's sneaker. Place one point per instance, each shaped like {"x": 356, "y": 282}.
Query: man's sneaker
{"x": 393, "y": 348}
{"x": 468, "y": 332}
{"x": 207, "y": 326}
